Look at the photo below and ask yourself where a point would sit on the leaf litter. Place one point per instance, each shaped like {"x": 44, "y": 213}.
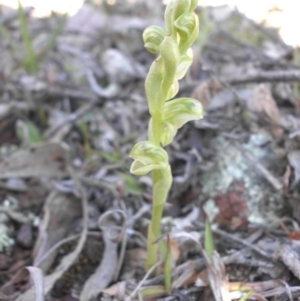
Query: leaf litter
{"x": 65, "y": 135}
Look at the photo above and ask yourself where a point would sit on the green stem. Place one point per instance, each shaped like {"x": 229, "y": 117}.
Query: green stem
{"x": 154, "y": 227}
{"x": 156, "y": 126}
{"x": 157, "y": 204}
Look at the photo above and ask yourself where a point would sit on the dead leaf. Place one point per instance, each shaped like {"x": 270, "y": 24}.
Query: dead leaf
{"x": 257, "y": 287}
{"x": 134, "y": 264}
{"x": 189, "y": 272}
{"x": 38, "y": 282}
{"x": 104, "y": 273}
{"x": 294, "y": 160}
{"x": 61, "y": 210}
{"x": 174, "y": 249}
{"x": 117, "y": 290}
{"x": 262, "y": 102}
{"x": 217, "y": 278}
{"x": 286, "y": 179}
{"x": 37, "y": 277}
{"x": 289, "y": 252}
{"x": 205, "y": 91}
{"x": 68, "y": 260}
{"x": 44, "y": 160}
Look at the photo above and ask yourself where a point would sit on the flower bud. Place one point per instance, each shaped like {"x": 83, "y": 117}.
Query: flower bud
{"x": 187, "y": 26}
{"x": 174, "y": 10}
{"x": 153, "y": 36}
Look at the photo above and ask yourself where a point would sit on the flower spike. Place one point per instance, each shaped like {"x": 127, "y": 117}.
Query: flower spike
{"x": 174, "y": 57}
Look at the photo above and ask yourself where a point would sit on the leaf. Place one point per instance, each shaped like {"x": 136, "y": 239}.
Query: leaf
{"x": 112, "y": 157}
{"x": 168, "y": 265}
{"x": 28, "y": 133}
{"x": 45, "y": 160}
{"x": 131, "y": 185}
{"x": 208, "y": 239}
{"x": 154, "y": 291}
{"x": 162, "y": 187}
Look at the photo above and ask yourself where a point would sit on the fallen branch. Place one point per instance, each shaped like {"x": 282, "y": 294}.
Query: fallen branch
{"x": 267, "y": 76}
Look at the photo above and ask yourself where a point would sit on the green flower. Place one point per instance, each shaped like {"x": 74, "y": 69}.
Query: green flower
{"x": 148, "y": 157}
{"x": 153, "y": 36}
{"x": 177, "y": 112}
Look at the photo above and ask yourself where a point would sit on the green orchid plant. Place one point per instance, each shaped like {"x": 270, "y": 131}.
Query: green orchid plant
{"x": 174, "y": 57}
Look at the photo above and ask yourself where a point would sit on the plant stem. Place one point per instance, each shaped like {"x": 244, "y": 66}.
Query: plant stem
{"x": 156, "y": 126}
{"x": 154, "y": 227}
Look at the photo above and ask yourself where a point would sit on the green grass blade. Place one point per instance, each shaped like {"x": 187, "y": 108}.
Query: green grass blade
{"x": 208, "y": 239}
{"x": 247, "y": 295}
{"x": 4, "y": 33}
{"x": 28, "y": 133}
{"x": 30, "y": 61}
{"x": 168, "y": 265}
{"x": 54, "y": 36}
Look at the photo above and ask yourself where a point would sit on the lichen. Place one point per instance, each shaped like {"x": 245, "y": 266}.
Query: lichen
{"x": 231, "y": 166}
